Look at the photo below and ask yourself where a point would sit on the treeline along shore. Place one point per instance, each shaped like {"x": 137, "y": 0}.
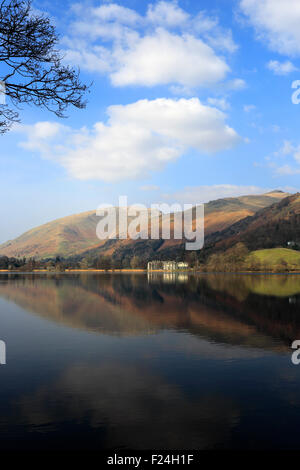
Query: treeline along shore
{"x": 235, "y": 259}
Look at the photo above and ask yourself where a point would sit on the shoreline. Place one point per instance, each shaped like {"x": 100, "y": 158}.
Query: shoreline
{"x": 162, "y": 271}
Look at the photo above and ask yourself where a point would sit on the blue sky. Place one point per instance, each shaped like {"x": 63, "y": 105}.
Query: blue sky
{"x": 191, "y": 101}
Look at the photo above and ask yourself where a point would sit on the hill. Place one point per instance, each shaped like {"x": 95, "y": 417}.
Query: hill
{"x": 66, "y": 236}
{"x": 271, "y": 227}
{"x": 277, "y": 256}
{"x": 76, "y": 234}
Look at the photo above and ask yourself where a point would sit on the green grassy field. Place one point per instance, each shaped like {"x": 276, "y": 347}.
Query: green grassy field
{"x": 275, "y": 256}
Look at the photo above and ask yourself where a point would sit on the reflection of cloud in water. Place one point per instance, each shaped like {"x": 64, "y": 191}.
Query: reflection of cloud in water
{"x": 136, "y": 408}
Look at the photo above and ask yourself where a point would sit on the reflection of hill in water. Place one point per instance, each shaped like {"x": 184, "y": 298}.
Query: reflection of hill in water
{"x": 223, "y": 308}
{"x": 71, "y": 304}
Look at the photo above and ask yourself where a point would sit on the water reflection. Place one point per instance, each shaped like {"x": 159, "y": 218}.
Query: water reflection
{"x": 253, "y": 310}
{"x": 91, "y": 393}
{"x": 160, "y": 361}
{"x": 167, "y": 278}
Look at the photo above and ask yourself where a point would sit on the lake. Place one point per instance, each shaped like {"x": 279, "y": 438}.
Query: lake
{"x": 157, "y": 361}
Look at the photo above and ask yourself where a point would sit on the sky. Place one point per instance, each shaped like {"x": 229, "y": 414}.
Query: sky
{"x": 190, "y": 101}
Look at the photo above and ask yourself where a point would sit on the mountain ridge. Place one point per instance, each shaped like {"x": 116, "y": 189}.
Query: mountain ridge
{"x": 76, "y": 234}
{"x": 268, "y": 228}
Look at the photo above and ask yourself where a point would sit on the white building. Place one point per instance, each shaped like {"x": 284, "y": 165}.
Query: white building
{"x": 167, "y": 266}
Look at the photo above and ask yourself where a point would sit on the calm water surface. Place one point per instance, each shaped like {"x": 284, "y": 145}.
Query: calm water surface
{"x": 100, "y": 361}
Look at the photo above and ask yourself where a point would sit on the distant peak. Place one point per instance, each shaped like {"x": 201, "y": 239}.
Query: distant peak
{"x": 277, "y": 193}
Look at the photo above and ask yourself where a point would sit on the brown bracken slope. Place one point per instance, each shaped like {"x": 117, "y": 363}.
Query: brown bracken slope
{"x": 76, "y": 234}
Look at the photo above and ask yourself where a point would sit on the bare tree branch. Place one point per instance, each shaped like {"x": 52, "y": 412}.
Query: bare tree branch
{"x": 34, "y": 72}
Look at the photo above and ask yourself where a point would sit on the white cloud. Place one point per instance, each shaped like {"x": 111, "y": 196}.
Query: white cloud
{"x": 291, "y": 154}
{"x": 287, "y": 170}
{"x": 276, "y": 22}
{"x": 40, "y": 134}
{"x": 181, "y": 90}
{"x": 169, "y": 58}
{"x": 165, "y": 46}
{"x": 137, "y": 139}
{"x": 93, "y": 59}
{"x": 222, "y": 40}
{"x": 287, "y": 148}
{"x": 167, "y": 14}
{"x": 281, "y": 68}
{"x": 149, "y": 187}
{"x": 199, "y": 194}
{"x": 236, "y": 84}
{"x": 114, "y": 12}
{"x": 221, "y": 103}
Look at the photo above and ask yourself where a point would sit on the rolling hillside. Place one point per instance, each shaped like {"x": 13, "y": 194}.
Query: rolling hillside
{"x": 275, "y": 256}
{"x": 76, "y": 234}
{"x": 270, "y": 227}
{"x": 72, "y": 234}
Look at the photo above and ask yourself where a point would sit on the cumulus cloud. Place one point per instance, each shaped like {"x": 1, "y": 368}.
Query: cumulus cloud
{"x": 168, "y": 58}
{"x": 200, "y": 194}
{"x": 167, "y": 14}
{"x": 165, "y": 46}
{"x": 276, "y": 22}
{"x": 41, "y": 134}
{"x": 281, "y": 68}
{"x": 114, "y": 12}
{"x": 137, "y": 138}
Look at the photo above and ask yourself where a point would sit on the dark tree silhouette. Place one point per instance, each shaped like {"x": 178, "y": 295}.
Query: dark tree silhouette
{"x": 31, "y": 67}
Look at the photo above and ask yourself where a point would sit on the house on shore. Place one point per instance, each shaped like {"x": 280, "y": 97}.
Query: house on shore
{"x": 167, "y": 266}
